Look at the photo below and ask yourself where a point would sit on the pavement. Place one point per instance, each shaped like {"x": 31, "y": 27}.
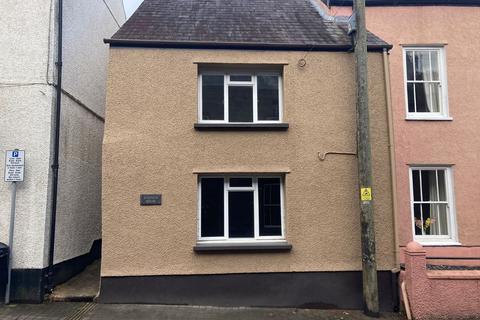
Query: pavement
{"x": 93, "y": 311}
{"x": 81, "y": 288}
{"x": 73, "y": 301}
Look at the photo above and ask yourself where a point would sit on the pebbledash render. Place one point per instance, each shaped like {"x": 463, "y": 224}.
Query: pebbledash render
{"x": 243, "y": 118}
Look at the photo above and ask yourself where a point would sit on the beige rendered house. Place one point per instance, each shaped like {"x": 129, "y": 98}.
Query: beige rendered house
{"x": 229, "y": 168}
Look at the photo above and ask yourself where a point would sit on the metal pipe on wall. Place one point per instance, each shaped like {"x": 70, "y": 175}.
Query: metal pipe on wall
{"x": 56, "y": 147}
{"x": 391, "y": 146}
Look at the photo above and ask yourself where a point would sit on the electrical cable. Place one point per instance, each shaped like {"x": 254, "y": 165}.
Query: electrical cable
{"x": 110, "y": 10}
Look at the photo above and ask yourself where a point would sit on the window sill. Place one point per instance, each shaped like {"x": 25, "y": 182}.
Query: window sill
{"x": 241, "y": 126}
{"x": 243, "y": 247}
{"x": 439, "y": 243}
{"x": 413, "y": 118}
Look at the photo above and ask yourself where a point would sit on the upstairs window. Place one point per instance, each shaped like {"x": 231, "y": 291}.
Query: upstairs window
{"x": 425, "y": 87}
{"x": 245, "y": 208}
{"x": 240, "y": 97}
{"x": 432, "y": 204}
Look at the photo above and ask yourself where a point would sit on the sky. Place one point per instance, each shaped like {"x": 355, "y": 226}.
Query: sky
{"x": 131, "y": 6}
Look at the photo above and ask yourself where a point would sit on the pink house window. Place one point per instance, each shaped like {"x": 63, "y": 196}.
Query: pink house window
{"x": 433, "y": 212}
{"x": 425, "y": 83}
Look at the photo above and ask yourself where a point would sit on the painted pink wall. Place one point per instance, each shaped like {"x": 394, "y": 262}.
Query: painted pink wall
{"x": 439, "y": 294}
{"x": 454, "y": 142}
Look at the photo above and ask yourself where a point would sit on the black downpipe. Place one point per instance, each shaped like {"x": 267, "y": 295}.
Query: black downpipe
{"x": 56, "y": 147}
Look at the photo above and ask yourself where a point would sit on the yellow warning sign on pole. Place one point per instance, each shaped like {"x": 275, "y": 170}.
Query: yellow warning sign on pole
{"x": 366, "y": 194}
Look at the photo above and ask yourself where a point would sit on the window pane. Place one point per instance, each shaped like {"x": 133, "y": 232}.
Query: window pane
{"x": 409, "y": 63}
{"x": 240, "y": 182}
{"x": 429, "y": 185}
{"x": 270, "y": 217}
{"x": 240, "y": 104}
{"x": 442, "y": 189}
{"x": 268, "y": 104}
{"x": 435, "y": 99}
{"x": 422, "y": 95}
{"x": 435, "y": 66}
{"x": 212, "y": 97}
{"x": 416, "y": 185}
{"x": 422, "y": 65}
{"x": 241, "y": 78}
{"x": 438, "y": 223}
{"x": 411, "y": 97}
{"x": 240, "y": 214}
{"x": 212, "y": 207}
{"x": 417, "y": 217}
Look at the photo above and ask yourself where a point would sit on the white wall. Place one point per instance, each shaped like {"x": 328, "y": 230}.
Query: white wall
{"x": 24, "y": 40}
{"x": 85, "y": 56}
{"x": 25, "y": 122}
{"x": 27, "y": 105}
{"x": 85, "y": 60}
{"x": 79, "y": 196}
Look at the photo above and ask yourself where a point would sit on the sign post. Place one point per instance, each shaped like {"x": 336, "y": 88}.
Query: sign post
{"x": 14, "y": 172}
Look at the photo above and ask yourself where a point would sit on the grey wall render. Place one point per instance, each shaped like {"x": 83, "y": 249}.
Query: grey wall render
{"x": 85, "y": 59}
{"x": 26, "y": 98}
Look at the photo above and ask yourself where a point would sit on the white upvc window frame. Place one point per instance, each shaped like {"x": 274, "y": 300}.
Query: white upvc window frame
{"x": 443, "y": 114}
{"x": 433, "y": 240}
{"x": 253, "y": 83}
{"x": 254, "y": 188}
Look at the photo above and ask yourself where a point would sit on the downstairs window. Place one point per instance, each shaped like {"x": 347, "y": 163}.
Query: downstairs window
{"x": 245, "y": 208}
{"x": 432, "y": 204}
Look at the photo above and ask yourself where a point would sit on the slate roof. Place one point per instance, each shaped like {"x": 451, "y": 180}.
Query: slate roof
{"x": 371, "y": 3}
{"x": 274, "y": 24}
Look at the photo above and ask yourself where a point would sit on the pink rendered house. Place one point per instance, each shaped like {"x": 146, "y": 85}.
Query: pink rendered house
{"x": 435, "y": 102}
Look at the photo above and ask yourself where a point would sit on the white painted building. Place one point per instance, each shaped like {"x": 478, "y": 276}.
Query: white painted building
{"x": 28, "y": 74}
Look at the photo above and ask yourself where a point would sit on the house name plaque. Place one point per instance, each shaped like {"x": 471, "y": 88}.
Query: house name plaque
{"x": 150, "y": 199}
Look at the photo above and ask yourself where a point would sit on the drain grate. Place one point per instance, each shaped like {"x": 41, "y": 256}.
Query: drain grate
{"x": 81, "y": 312}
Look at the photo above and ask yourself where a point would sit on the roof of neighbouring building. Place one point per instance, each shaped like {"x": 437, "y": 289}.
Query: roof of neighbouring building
{"x": 348, "y": 3}
{"x": 267, "y": 24}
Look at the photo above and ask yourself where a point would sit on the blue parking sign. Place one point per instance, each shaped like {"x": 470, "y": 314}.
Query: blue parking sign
{"x": 14, "y": 165}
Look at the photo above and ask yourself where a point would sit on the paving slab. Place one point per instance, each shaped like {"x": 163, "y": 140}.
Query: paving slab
{"x": 83, "y": 287}
{"x": 93, "y": 311}
{"x": 51, "y": 311}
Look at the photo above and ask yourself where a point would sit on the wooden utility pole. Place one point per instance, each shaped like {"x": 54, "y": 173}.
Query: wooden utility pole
{"x": 369, "y": 264}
